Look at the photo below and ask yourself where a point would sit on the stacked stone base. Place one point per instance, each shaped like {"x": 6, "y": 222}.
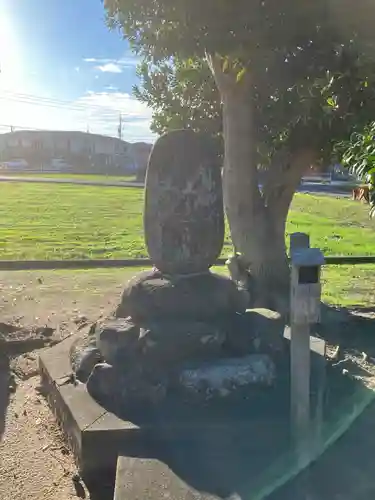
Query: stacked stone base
{"x": 189, "y": 336}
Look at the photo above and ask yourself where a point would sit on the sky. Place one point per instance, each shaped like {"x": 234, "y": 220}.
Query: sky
{"x": 62, "y": 69}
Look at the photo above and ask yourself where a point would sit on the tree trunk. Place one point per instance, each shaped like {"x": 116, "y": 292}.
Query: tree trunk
{"x": 256, "y": 220}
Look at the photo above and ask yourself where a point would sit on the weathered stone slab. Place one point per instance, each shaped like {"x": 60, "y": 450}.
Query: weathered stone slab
{"x": 224, "y": 376}
{"x": 183, "y": 214}
{"x": 149, "y": 479}
{"x": 150, "y": 295}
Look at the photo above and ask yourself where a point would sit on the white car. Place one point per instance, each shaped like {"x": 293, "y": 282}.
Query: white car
{"x": 59, "y": 164}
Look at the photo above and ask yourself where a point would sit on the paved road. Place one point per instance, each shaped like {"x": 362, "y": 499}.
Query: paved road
{"x": 51, "y": 180}
{"x": 306, "y": 187}
{"x": 330, "y": 189}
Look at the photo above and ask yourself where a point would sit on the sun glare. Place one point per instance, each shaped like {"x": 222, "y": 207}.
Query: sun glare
{"x": 8, "y": 44}
{"x": 10, "y": 69}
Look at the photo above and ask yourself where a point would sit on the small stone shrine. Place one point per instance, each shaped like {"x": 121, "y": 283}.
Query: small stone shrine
{"x": 180, "y": 329}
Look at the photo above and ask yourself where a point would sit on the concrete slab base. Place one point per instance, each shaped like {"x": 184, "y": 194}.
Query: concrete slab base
{"x": 151, "y": 479}
{"x": 93, "y": 434}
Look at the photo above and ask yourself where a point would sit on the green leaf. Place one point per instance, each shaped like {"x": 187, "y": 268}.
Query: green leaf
{"x": 240, "y": 74}
{"x": 225, "y": 64}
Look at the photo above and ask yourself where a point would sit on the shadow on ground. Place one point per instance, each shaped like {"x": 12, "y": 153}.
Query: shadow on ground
{"x": 243, "y": 454}
{"x": 4, "y": 389}
{"x": 345, "y": 471}
{"x": 240, "y": 461}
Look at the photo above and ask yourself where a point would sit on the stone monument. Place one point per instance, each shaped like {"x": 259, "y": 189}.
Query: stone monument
{"x": 180, "y": 330}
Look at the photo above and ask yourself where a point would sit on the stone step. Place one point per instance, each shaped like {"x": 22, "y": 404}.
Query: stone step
{"x": 151, "y": 479}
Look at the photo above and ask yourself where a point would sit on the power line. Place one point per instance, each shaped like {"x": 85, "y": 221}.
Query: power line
{"x": 103, "y": 110}
{"x": 58, "y": 103}
{"x": 42, "y": 98}
{"x": 21, "y": 128}
{"x": 106, "y": 112}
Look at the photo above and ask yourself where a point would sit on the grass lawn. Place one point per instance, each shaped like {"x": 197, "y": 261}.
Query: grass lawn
{"x": 40, "y": 221}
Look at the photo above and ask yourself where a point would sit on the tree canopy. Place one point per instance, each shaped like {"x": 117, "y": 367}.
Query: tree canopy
{"x": 291, "y": 78}
{"x": 320, "y": 111}
{"x": 311, "y": 64}
{"x": 240, "y": 28}
{"x": 181, "y": 95}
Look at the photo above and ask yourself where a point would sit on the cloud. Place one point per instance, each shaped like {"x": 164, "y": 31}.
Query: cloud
{"x": 114, "y": 65}
{"x": 129, "y": 61}
{"x": 98, "y": 110}
{"x": 109, "y": 68}
{"x": 104, "y": 109}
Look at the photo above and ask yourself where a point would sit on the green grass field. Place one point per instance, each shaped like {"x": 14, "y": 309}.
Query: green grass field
{"x": 40, "y": 221}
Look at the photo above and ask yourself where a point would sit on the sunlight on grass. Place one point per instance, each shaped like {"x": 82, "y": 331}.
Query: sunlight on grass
{"x": 44, "y": 222}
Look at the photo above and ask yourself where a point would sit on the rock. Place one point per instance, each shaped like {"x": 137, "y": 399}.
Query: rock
{"x": 103, "y": 383}
{"x": 7, "y": 328}
{"x": 122, "y": 390}
{"x": 224, "y": 376}
{"x": 166, "y": 345}
{"x": 240, "y": 336}
{"x": 268, "y": 327}
{"x": 81, "y": 321}
{"x": 143, "y": 390}
{"x": 256, "y": 331}
{"x": 86, "y": 362}
{"x": 117, "y": 339}
{"x": 45, "y": 331}
{"x": 183, "y": 213}
{"x": 85, "y": 343}
{"x": 150, "y": 295}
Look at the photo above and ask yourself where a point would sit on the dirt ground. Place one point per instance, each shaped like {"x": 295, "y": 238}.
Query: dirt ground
{"x": 34, "y": 463}
{"x": 38, "y": 309}
{"x": 43, "y": 308}
{"x": 59, "y": 298}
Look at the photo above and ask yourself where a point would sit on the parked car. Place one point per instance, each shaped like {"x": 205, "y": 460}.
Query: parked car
{"x": 58, "y": 165}
{"x": 340, "y": 173}
{"x": 18, "y": 165}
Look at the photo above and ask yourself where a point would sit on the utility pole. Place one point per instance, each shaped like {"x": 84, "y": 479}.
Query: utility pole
{"x": 120, "y": 128}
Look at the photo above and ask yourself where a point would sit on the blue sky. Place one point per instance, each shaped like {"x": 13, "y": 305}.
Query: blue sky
{"x": 61, "y": 68}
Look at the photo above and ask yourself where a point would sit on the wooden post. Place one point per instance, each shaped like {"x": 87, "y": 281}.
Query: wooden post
{"x": 300, "y": 388}
{"x": 305, "y": 311}
{"x": 318, "y": 365}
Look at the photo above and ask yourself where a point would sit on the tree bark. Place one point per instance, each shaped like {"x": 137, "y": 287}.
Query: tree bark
{"x": 256, "y": 219}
